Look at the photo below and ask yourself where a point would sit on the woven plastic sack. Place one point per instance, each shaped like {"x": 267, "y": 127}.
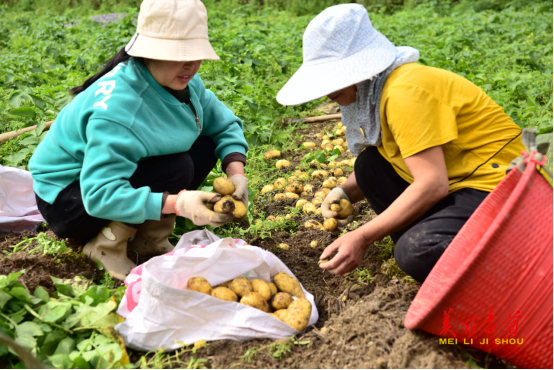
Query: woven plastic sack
{"x": 159, "y": 311}
{"x": 492, "y": 287}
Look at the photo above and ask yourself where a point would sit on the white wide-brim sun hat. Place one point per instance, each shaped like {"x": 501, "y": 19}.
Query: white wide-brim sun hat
{"x": 340, "y": 48}
{"x": 175, "y": 30}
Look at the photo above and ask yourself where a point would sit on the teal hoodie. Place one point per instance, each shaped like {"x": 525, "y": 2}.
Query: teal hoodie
{"x": 122, "y": 118}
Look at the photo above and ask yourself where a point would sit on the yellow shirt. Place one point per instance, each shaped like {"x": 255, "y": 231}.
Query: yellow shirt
{"x": 422, "y": 107}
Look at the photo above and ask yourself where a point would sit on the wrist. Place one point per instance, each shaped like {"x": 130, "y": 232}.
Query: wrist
{"x": 343, "y": 191}
{"x": 169, "y": 205}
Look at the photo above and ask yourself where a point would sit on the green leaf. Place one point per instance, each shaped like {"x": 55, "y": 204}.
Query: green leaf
{"x": 66, "y": 346}
{"x": 51, "y": 341}
{"x": 61, "y": 361}
{"x": 55, "y": 310}
{"x": 42, "y": 294}
{"x": 16, "y": 98}
{"x": 23, "y": 295}
{"x": 14, "y": 159}
{"x": 85, "y": 315}
{"x": 13, "y": 276}
{"x": 321, "y": 157}
{"x": 26, "y": 332}
{"x": 40, "y": 128}
{"x": 8, "y": 77}
{"x": 29, "y": 140}
{"x": 38, "y": 102}
{"x": 80, "y": 363}
{"x": 98, "y": 293}
{"x": 23, "y": 112}
{"x": 4, "y": 298}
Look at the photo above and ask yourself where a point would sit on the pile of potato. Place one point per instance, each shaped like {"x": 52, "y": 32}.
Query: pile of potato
{"x": 275, "y": 298}
{"x": 227, "y": 204}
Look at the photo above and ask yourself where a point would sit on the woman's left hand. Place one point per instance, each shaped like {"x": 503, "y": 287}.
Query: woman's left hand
{"x": 351, "y": 249}
{"x": 241, "y": 188}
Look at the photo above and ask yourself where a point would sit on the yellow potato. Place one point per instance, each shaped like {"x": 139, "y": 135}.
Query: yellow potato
{"x": 325, "y": 137}
{"x": 292, "y": 195}
{"x": 346, "y": 208}
{"x": 345, "y": 144}
{"x": 260, "y": 286}
{"x": 337, "y": 172}
{"x": 280, "y": 314}
{"x": 274, "y": 315}
{"x": 340, "y": 124}
{"x": 340, "y": 132}
{"x": 240, "y": 209}
{"x": 225, "y": 294}
{"x": 313, "y": 244}
{"x": 319, "y": 134}
{"x": 335, "y": 207}
{"x": 271, "y": 154}
{"x": 330, "y": 224}
{"x": 273, "y": 288}
{"x": 288, "y": 216}
{"x": 279, "y": 219}
{"x": 280, "y": 183}
{"x": 291, "y": 179}
{"x": 295, "y": 187}
{"x": 312, "y": 224}
{"x": 282, "y": 163}
{"x": 328, "y": 147}
{"x": 270, "y": 218}
{"x": 318, "y": 212}
{"x": 281, "y": 301}
{"x": 297, "y": 173}
{"x": 255, "y": 300}
{"x": 352, "y": 162}
{"x": 241, "y": 286}
{"x": 317, "y": 201}
{"x": 308, "y": 144}
{"x": 268, "y": 188}
{"x": 337, "y": 141}
{"x": 223, "y": 186}
{"x": 224, "y": 284}
{"x": 199, "y": 284}
{"x": 342, "y": 180}
{"x": 303, "y": 176}
{"x": 301, "y": 202}
{"x": 304, "y": 194}
{"x": 308, "y": 208}
{"x": 224, "y": 206}
{"x": 339, "y": 147}
{"x": 330, "y": 184}
{"x": 280, "y": 196}
{"x": 288, "y": 284}
{"x": 298, "y": 314}
{"x": 284, "y": 246}
{"x": 332, "y": 164}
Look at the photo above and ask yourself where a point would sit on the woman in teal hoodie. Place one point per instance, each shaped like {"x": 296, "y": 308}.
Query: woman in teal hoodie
{"x": 117, "y": 161}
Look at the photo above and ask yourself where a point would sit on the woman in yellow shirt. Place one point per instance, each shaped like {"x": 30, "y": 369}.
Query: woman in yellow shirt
{"x": 430, "y": 144}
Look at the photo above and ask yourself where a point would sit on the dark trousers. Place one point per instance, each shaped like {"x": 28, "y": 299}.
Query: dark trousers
{"x": 420, "y": 245}
{"x": 67, "y": 217}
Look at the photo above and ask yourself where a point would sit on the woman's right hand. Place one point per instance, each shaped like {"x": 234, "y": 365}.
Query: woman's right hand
{"x": 190, "y": 204}
{"x": 334, "y": 197}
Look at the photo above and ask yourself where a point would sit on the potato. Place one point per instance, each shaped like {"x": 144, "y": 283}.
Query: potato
{"x": 319, "y": 134}
{"x": 260, "y": 286}
{"x": 295, "y": 187}
{"x": 337, "y": 172}
{"x": 297, "y": 173}
{"x": 225, "y": 294}
{"x": 312, "y": 224}
{"x": 337, "y": 141}
{"x": 280, "y": 183}
{"x": 325, "y": 137}
{"x": 241, "y": 286}
{"x": 255, "y": 300}
{"x": 240, "y": 209}
{"x": 340, "y": 124}
{"x": 339, "y": 147}
{"x": 329, "y": 147}
{"x": 280, "y": 314}
{"x": 317, "y": 201}
{"x": 346, "y": 208}
{"x": 274, "y": 315}
{"x": 340, "y": 132}
{"x": 341, "y": 180}
{"x": 273, "y": 288}
{"x": 303, "y": 176}
{"x": 330, "y": 224}
{"x": 282, "y": 163}
{"x": 288, "y": 284}
{"x": 301, "y": 203}
{"x": 291, "y": 195}
{"x": 223, "y": 186}
{"x": 332, "y": 164}
{"x": 284, "y": 246}
{"x": 322, "y": 193}
{"x": 280, "y": 196}
{"x": 308, "y": 208}
{"x": 319, "y": 174}
{"x": 329, "y": 183}
{"x": 308, "y": 144}
{"x": 224, "y": 284}
{"x": 313, "y": 244}
{"x": 304, "y": 194}
{"x": 271, "y": 154}
{"x": 199, "y": 284}
{"x": 345, "y": 145}
{"x": 281, "y": 301}
{"x": 268, "y": 188}
{"x": 279, "y": 219}
{"x": 351, "y": 162}
{"x": 298, "y": 314}
{"x": 325, "y": 142}
{"x": 225, "y": 205}
{"x": 288, "y": 216}
{"x": 318, "y": 212}
{"x": 292, "y": 179}
{"x": 335, "y": 207}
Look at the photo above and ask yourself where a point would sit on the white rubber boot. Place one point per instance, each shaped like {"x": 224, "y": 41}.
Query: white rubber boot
{"x": 151, "y": 237}
{"x": 110, "y": 248}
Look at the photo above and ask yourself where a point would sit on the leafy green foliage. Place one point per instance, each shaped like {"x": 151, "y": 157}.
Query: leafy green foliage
{"x": 43, "y": 244}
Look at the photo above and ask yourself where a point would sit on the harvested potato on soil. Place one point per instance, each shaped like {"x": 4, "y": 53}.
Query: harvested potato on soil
{"x": 325, "y": 142}
{"x": 281, "y": 301}
{"x": 337, "y": 172}
{"x": 241, "y": 286}
{"x": 328, "y": 147}
{"x": 284, "y": 246}
{"x": 279, "y": 219}
{"x": 270, "y": 218}
{"x": 280, "y": 196}
{"x": 295, "y": 187}
{"x": 330, "y": 224}
{"x": 298, "y": 314}
{"x": 318, "y": 212}
{"x": 280, "y": 314}
{"x": 341, "y": 180}
{"x": 308, "y": 144}
{"x": 301, "y": 203}
{"x": 312, "y": 224}
{"x": 292, "y": 195}
{"x": 271, "y": 154}
{"x": 304, "y": 194}
{"x": 337, "y": 141}
{"x": 351, "y": 162}
{"x": 340, "y": 132}
{"x": 339, "y": 147}
{"x": 325, "y": 137}
{"x": 288, "y": 284}
{"x": 330, "y": 183}
{"x": 223, "y": 186}
{"x": 260, "y": 286}
{"x": 268, "y": 188}
{"x": 317, "y": 201}
{"x": 282, "y": 163}
{"x": 319, "y": 174}
{"x": 303, "y": 176}
{"x": 199, "y": 284}
{"x": 255, "y": 300}
{"x": 288, "y": 216}
{"x": 346, "y": 208}
{"x": 313, "y": 244}
{"x": 332, "y": 164}
{"x": 280, "y": 183}
{"x": 319, "y": 134}
{"x": 308, "y": 208}
{"x": 292, "y": 179}
{"x": 225, "y": 294}
{"x": 273, "y": 288}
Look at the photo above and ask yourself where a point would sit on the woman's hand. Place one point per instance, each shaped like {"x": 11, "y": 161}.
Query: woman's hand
{"x": 351, "y": 249}
{"x": 334, "y": 197}
{"x": 235, "y": 174}
{"x": 190, "y": 204}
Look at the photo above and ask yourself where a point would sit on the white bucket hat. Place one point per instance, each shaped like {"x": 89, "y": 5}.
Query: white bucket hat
{"x": 175, "y": 30}
{"x": 340, "y": 48}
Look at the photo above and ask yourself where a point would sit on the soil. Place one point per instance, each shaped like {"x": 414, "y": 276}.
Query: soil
{"x": 361, "y": 320}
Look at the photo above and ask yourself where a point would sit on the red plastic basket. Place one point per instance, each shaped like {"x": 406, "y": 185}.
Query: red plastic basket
{"x": 492, "y": 287}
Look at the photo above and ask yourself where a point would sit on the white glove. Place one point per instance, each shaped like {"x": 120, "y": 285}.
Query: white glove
{"x": 190, "y": 204}
{"x": 334, "y": 197}
{"x": 241, "y": 188}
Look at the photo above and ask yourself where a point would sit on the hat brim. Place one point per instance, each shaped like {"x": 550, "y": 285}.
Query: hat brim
{"x": 169, "y": 49}
{"x": 312, "y": 82}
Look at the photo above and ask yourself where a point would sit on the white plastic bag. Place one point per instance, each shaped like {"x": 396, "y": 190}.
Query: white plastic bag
{"x": 18, "y": 206}
{"x": 160, "y": 311}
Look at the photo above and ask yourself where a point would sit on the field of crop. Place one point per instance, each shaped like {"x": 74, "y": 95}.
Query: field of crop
{"x": 504, "y": 47}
